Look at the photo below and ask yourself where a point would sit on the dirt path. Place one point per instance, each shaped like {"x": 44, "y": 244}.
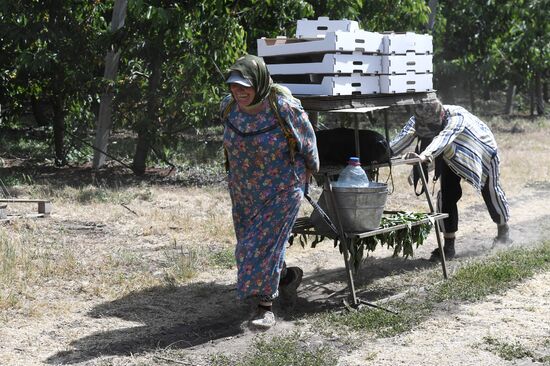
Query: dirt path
{"x": 204, "y": 319}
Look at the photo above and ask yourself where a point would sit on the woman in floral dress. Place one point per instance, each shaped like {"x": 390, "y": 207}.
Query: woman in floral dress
{"x": 269, "y": 158}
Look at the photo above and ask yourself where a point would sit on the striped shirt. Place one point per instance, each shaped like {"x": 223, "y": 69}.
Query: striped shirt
{"x": 465, "y": 143}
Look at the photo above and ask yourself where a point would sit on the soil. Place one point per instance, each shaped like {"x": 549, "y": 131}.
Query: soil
{"x": 188, "y": 324}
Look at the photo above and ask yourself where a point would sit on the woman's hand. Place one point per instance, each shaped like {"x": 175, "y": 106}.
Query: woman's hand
{"x": 309, "y": 175}
{"x": 412, "y": 155}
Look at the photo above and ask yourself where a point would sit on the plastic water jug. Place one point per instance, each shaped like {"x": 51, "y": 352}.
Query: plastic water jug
{"x": 353, "y": 176}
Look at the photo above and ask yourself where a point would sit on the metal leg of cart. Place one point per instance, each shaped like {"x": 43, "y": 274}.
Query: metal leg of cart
{"x": 436, "y": 224}
{"x": 345, "y": 243}
{"x": 344, "y": 240}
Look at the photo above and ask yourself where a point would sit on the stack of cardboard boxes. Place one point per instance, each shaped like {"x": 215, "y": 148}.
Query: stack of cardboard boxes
{"x": 335, "y": 57}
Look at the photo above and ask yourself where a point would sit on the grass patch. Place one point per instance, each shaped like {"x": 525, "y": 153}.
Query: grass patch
{"x": 281, "y": 351}
{"x": 381, "y": 322}
{"x": 183, "y": 265}
{"x": 224, "y": 258}
{"x": 93, "y": 194}
{"x": 26, "y": 146}
{"x": 473, "y": 282}
{"x": 25, "y": 261}
{"x": 494, "y": 275}
{"x": 506, "y": 350}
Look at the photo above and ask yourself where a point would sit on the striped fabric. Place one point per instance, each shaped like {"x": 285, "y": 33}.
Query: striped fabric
{"x": 466, "y": 144}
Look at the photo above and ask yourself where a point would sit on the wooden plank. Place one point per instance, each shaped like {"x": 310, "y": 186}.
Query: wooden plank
{"x": 44, "y": 206}
{"x": 21, "y": 200}
{"x": 328, "y": 103}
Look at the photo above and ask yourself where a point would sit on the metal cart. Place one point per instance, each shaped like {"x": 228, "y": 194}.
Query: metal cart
{"x": 364, "y": 104}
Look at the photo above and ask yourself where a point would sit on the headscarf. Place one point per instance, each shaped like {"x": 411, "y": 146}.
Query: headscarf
{"x": 428, "y": 118}
{"x": 253, "y": 68}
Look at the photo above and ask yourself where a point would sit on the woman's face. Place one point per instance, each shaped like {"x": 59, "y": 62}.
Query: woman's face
{"x": 243, "y": 95}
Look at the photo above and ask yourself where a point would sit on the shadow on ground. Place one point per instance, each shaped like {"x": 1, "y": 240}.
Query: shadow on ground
{"x": 196, "y": 314}
{"x": 179, "y": 317}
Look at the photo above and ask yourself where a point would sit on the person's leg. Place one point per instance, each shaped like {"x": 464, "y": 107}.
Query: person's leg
{"x": 449, "y": 194}
{"x": 496, "y": 202}
{"x": 264, "y": 317}
{"x": 288, "y": 286}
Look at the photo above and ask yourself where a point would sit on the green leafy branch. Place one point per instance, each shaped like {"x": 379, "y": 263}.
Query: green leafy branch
{"x": 403, "y": 240}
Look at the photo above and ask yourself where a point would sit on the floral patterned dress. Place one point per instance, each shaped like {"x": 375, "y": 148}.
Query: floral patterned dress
{"x": 265, "y": 189}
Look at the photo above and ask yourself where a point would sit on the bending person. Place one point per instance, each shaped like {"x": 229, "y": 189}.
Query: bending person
{"x": 462, "y": 147}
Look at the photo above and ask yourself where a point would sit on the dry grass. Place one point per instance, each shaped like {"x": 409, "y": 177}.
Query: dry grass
{"x": 525, "y": 155}
{"x": 105, "y": 243}
{"x": 27, "y": 259}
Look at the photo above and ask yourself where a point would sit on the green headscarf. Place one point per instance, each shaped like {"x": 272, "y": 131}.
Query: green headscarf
{"x": 255, "y": 70}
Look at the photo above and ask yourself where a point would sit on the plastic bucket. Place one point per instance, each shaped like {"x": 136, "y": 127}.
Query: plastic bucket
{"x": 360, "y": 209}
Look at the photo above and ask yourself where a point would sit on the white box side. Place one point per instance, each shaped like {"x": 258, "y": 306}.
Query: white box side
{"x": 332, "y": 64}
{"x": 400, "y": 64}
{"x": 338, "y": 85}
{"x": 410, "y": 82}
{"x": 306, "y": 28}
{"x": 362, "y": 41}
{"x": 401, "y": 43}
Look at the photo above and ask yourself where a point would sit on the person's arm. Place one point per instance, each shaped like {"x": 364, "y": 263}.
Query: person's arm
{"x": 403, "y": 138}
{"x": 304, "y": 134}
{"x": 454, "y": 126}
{"x": 223, "y": 105}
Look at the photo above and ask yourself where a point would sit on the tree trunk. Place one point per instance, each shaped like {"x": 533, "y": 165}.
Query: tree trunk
{"x": 431, "y": 19}
{"x": 38, "y": 112}
{"x": 539, "y": 99}
{"x": 510, "y": 94}
{"x": 486, "y": 93}
{"x": 472, "y": 96}
{"x": 147, "y": 124}
{"x": 531, "y": 99}
{"x": 104, "y": 121}
{"x": 59, "y": 131}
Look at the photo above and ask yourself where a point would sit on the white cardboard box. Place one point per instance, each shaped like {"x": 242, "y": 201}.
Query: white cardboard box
{"x": 338, "y": 85}
{"x": 400, "y": 64}
{"x": 332, "y": 64}
{"x": 318, "y": 28}
{"x": 401, "y": 43}
{"x": 407, "y": 83}
{"x": 362, "y": 41}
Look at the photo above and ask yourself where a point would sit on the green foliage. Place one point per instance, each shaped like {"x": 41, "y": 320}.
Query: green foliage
{"x": 398, "y": 16}
{"x": 173, "y": 55}
{"x": 402, "y": 240}
{"x": 281, "y": 351}
{"x": 494, "y": 42}
{"x": 224, "y": 258}
{"x": 478, "y": 279}
{"x": 50, "y": 61}
{"x": 271, "y": 18}
{"x": 25, "y": 146}
{"x": 506, "y": 350}
{"x": 381, "y": 322}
